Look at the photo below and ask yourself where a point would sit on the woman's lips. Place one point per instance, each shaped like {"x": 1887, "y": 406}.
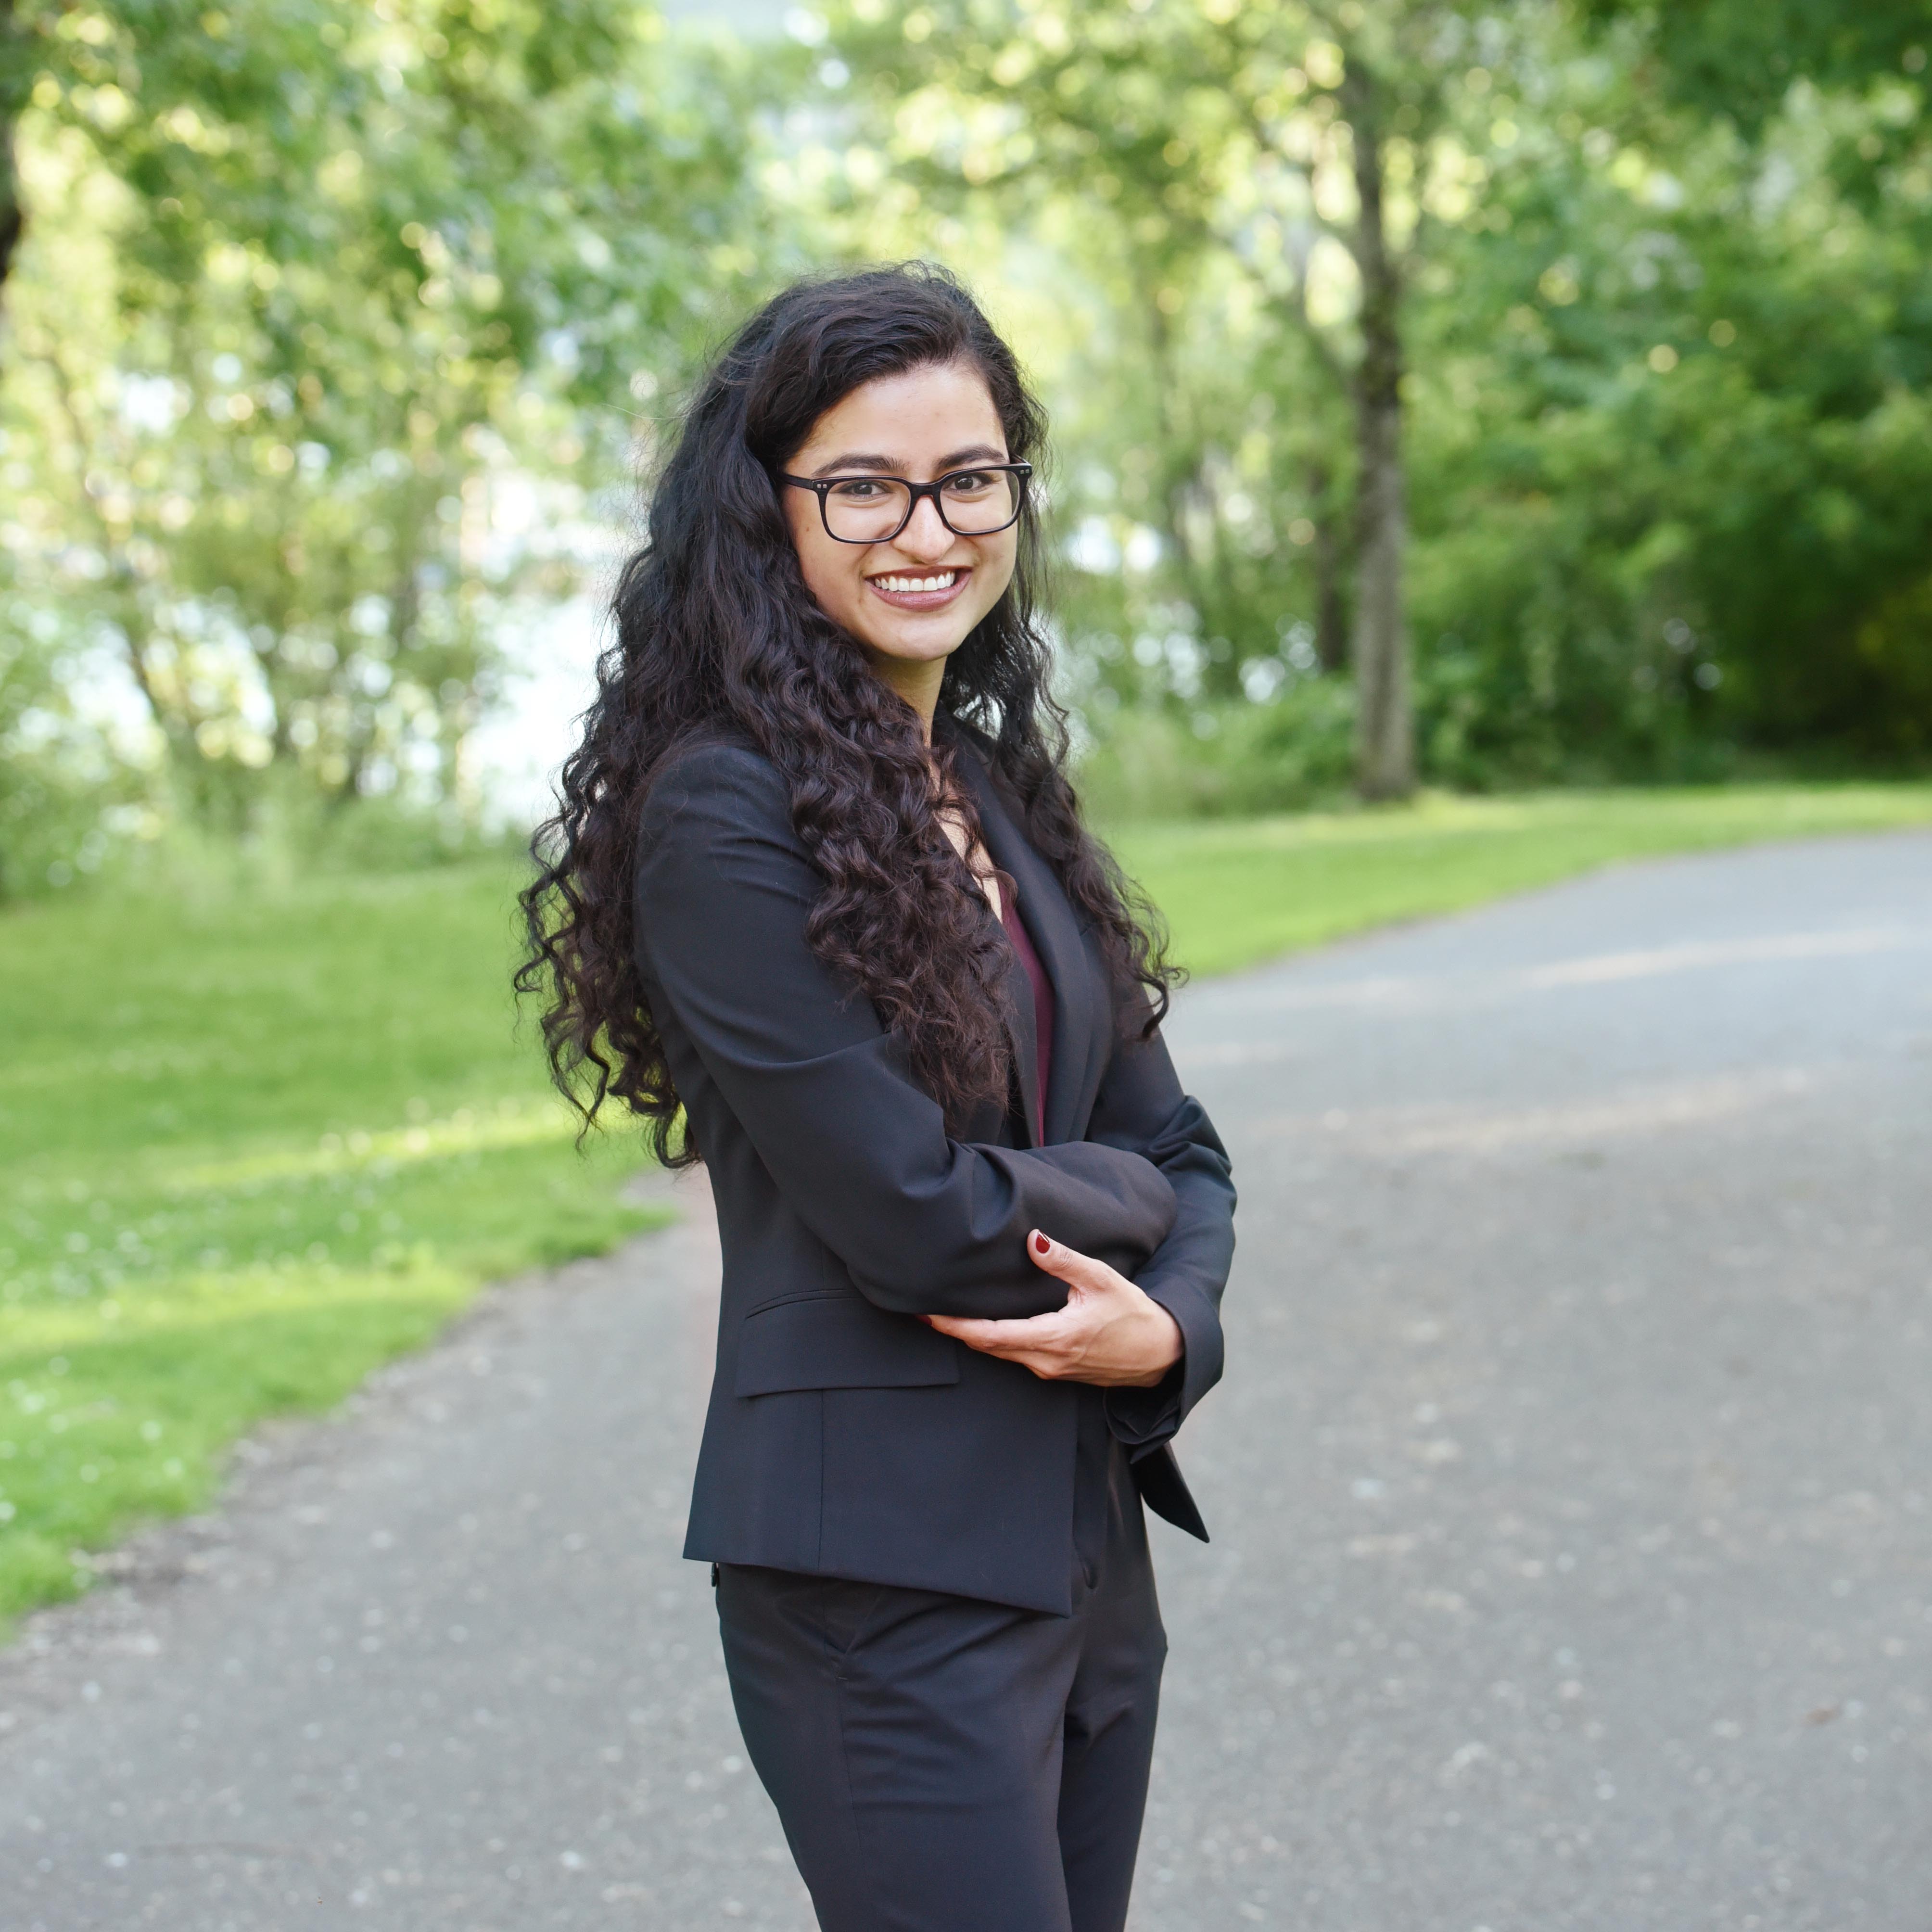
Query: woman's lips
{"x": 934, "y": 599}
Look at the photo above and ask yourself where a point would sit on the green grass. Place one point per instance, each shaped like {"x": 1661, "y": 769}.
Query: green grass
{"x": 1241, "y": 890}
{"x": 255, "y": 1142}
{"x": 249, "y": 1148}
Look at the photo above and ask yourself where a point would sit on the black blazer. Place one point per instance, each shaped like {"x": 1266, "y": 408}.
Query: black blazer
{"x": 844, "y": 1437}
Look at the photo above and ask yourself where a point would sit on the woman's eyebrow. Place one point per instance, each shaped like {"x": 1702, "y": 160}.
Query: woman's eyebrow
{"x": 975, "y": 452}
{"x": 890, "y": 465}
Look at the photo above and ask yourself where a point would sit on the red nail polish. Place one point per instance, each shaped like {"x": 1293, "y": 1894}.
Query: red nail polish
{"x": 1040, "y": 1244}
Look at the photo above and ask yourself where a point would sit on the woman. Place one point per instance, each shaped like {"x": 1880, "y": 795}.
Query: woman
{"x": 818, "y": 904}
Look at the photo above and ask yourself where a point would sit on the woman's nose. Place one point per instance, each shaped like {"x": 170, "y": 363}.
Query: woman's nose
{"x": 926, "y": 536}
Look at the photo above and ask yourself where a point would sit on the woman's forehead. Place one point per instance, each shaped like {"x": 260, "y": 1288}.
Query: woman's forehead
{"x": 934, "y": 414}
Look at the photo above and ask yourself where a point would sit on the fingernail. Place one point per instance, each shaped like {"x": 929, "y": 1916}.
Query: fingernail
{"x": 1041, "y": 1244}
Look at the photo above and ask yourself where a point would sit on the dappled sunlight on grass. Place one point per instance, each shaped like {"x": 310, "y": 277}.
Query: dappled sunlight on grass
{"x": 250, "y": 1150}
{"x": 509, "y": 1124}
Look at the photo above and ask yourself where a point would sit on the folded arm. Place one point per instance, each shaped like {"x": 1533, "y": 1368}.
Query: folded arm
{"x": 1154, "y": 1344}
{"x": 925, "y": 1223}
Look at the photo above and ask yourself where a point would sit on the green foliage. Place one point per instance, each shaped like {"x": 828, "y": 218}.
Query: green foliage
{"x": 63, "y": 793}
{"x": 1667, "y": 393}
{"x": 314, "y": 362}
{"x": 1681, "y": 498}
{"x": 1236, "y": 758}
{"x": 1742, "y": 57}
{"x": 252, "y": 1143}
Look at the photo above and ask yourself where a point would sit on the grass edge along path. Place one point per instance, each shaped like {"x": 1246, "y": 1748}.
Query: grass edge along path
{"x": 253, "y": 1145}
{"x": 1237, "y": 892}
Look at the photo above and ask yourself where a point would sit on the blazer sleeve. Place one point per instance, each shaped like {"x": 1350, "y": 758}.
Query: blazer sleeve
{"x": 925, "y": 1224}
{"x": 1140, "y": 1108}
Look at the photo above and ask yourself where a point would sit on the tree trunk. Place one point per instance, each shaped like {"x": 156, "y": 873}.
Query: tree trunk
{"x": 1385, "y": 729}
{"x": 1331, "y": 615}
{"x": 14, "y": 52}
{"x": 10, "y": 222}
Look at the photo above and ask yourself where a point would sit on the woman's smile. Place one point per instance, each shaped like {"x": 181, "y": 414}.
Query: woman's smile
{"x": 919, "y": 590}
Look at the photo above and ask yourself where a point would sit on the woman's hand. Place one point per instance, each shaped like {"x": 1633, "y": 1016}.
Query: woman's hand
{"x": 1109, "y": 1334}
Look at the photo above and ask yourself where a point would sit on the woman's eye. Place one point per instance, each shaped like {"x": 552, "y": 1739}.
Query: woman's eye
{"x": 969, "y": 483}
{"x": 861, "y": 490}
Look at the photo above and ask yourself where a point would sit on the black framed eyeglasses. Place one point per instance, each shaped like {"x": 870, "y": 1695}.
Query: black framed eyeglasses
{"x": 976, "y": 502}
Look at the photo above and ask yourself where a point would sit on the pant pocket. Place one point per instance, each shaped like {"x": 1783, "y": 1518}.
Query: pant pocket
{"x": 845, "y": 1611}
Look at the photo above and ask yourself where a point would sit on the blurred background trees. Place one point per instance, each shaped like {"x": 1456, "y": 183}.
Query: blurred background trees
{"x": 1486, "y": 394}
{"x": 327, "y": 319}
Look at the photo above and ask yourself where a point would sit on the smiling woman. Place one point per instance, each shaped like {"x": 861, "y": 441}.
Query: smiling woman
{"x": 818, "y": 903}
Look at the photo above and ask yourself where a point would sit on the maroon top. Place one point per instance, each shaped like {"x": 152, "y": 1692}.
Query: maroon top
{"x": 1043, "y": 993}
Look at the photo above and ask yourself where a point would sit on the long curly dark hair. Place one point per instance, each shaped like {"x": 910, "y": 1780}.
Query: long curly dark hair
{"x": 718, "y": 638}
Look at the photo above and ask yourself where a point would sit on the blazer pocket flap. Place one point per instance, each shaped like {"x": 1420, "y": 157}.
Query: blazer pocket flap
{"x": 832, "y": 1341}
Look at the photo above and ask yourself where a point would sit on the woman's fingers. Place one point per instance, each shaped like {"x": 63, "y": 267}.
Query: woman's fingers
{"x": 1109, "y": 1333}
{"x": 1081, "y": 1342}
{"x": 1046, "y": 1344}
{"x": 996, "y": 1338}
{"x": 1069, "y": 1264}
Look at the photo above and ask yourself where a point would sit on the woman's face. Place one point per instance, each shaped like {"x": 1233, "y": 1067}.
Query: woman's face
{"x": 912, "y": 602}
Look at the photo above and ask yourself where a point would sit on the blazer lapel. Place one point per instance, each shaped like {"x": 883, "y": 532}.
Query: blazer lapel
{"x": 1056, "y": 938}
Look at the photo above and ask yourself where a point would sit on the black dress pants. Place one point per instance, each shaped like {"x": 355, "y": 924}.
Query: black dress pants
{"x": 945, "y": 1764}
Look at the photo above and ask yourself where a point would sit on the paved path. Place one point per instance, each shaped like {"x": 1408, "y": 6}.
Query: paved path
{"x": 1573, "y": 1556}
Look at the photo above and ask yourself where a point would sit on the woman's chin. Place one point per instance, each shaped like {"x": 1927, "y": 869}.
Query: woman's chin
{"x": 912, "y": 642}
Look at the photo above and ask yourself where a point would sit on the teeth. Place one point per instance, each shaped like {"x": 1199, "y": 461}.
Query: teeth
{"x": 943, "y": 581}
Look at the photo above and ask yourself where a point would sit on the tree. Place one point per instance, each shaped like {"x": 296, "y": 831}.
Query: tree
{"x": 289, "y": 328}
{"x": 1295, "y": 137}
{"x": 1672, "y": 436}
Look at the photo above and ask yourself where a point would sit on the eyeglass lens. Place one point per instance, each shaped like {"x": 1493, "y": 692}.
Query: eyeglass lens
{"x": 869, "y": 509}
